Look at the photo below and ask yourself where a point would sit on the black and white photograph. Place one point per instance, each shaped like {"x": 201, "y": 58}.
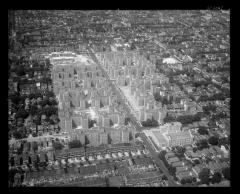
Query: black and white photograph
{"x": 119, "y": 98}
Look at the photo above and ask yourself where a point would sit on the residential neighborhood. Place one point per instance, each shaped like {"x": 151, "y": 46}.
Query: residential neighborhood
{"x": 119, "y": 98}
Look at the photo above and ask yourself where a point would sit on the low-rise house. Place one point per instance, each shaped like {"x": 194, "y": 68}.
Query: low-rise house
{"x": 183, "y": 175}
{"x": 178, "y": 164}
{"x": 217, "y": 80}
{"x": 181, "y": 169}
{"x": 171, "y": 160}
{"x": 198, "y": 168}
{"x": 218, "y": 150}
{"x": 169, "y": 155}
{"x": 212, "y": 151}
{"x": 224, "y": 165}
{"x": 191, "y": 154}
{"x": 214, "y": 167}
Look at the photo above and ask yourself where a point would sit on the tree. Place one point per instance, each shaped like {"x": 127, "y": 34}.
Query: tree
{"x": 37, "y": 121}
{"x": 14, "y": 98}
{"x": 21, "y": 113}
{"x": 130, "y": 136}
{"x": 35, "y": 146}
{"x": 46, "y": 80}
{"x": 47, "y": 111}
{"x": 183, "y": 181}
{"x": 226, "y": 173}
{"x": 49, "y": 94}
{"x": 87, "y": 142}
{"x": 44, "y": 102}
{"x": 180, "y": 149}
{"x": 75, "y": 144}
{"x": 202, "y": 144}
{"x": 133, "y": 46}
{"x": 74, "y": 124}
{"x": 187, "y": 119}
{"x": 172, "y": 170}
{"x": 91, "y": 123}
{"x": 168, "y": 119}
{"x": 12, "y": 163}
{"x": 201, "y": 83}
{"x": 127, "y": 120}
{"x": 33, "y": 110}
{"x": 204, "y": 176}
{"x": 194, "y": 179}
{"x": 217, "y": 177}
{"x": 207, "y": 109}
{"x": 109, "y": 139}
{"x": 57, "y": 120}
{"x": 150, "y": 123}
{"x": 218, "y": 116}
{"x": 223, "y": 141}
{"x": 57, "y": 145}
{"x": 29, "y": 160}
{"x": 111, "y": 122}
{"x": 213, "y": 140}
{"x": 53, "y": 102}
{"x": 17, "y": 134}
{"x": 37, "y": 159}
{"x": 162, "y": 154}
{"x": 20, "y": 150}
{"x": 203, "y": 130}
{"x": 47, "y": 120}
{"x": 196, "y": 161}
{"x": 20, "y": 71}
{"x": 164, "y": 177}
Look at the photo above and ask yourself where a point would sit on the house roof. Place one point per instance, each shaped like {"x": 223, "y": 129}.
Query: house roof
{"x": 174, "y": 159}
{"x": 179, "y": 163}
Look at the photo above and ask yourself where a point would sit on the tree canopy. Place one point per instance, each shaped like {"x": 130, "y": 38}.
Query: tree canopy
{"x": 207, "y": 109}
{"x": 203, "y": 130}
{"x": 57, "y": 145}
{"x": 168, "y": 119}
{"x": 150, "y": 123}
{"x": 223, "y": 141}
{"x": 21, "y": 113}
{"x": 127, "y": 120}
{"x": 217, "y": 177}
{"x": 226, "y": 173}
{"x": 75, "y": 144}
{"x": 213, "y": 140}
{"x": 187, "y": 119}
{"x": 202, "y": 144}
{"x": 20, "y": 71}
{"x": 204, "y": 175}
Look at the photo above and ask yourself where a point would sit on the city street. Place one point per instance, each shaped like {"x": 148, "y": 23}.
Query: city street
{"x": 135, "y": 123}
